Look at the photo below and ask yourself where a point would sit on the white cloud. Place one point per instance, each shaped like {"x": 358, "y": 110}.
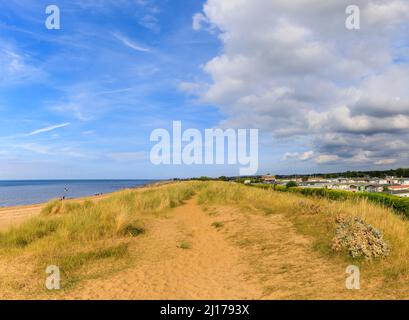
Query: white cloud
{"x": 16, "y": 68}
{"x": 198, "y": 20}
{"x": 87, "y": 101}
{"x": 130, "y": 43}
{"x": 150, "y": 22}
{"x": 299, "y": 156}
{"x": 36, "y": 148}
{"x": 306, "y": 155}
{"x": 292, "y": 69}
{"x": 325, "y": 158}
{"x": 385, "y": 161}
{"x": 47, "y": 129}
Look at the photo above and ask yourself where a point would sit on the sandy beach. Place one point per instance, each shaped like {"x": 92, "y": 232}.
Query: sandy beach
{"x": 14, "y": 215}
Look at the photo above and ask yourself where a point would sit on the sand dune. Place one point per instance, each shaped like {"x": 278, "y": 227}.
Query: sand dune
{"x": 273, "y": 261}
{"x": 207, "y": 251}
{"x": 14, "y": 215}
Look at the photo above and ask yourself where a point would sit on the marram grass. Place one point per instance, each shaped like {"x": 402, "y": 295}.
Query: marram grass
{"x": 73, "y": 235}
{"x": 91, "y": 238}
{"x": 316, "y": 218}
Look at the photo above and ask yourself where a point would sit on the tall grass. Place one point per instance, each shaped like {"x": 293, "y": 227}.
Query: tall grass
{"x": 399, "y": 204}
{"x": 73, "y": 234}
{"x": 98, "y": 235}
{"x": 316, "y": 218}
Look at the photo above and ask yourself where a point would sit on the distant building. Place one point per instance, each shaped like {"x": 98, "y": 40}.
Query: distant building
{"x": 392, "y": 180}
{"x": 357, "y": 187}
{"x": 403, "y": 181}
{"x": 269, "y": 179}
{"x": 398, "y": 187}
{"x": 340, "y": 186}
{"x": 400, "y": 193}
{"x": 376, "y": 187}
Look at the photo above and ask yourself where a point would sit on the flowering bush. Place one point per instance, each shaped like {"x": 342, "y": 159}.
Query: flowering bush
{"x": 359, "y": 239}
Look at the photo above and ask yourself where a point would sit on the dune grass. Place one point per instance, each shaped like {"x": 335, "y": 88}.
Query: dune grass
{"x": 74, "y": 235}
{"x": 316, "y": 218}
{"x": 89, "y": 239}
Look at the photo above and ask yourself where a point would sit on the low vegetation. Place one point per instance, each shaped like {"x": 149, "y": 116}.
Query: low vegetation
{"x": 92, "y": 238}
{"x": 217, "y": 224}
{"x": 185, "y": 245}
{"x": 316, "y": 217}
{"x": 74, "y": 235}
{"x": 398, "y": 204}
{"x": 359, "y": 239}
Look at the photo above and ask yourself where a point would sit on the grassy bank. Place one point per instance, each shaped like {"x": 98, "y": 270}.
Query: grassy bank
{"x": 316, "y": 218}
{"x": 85, "y": 239}
{"x": 398, "y": 204}
{"x": 91, "y": 239}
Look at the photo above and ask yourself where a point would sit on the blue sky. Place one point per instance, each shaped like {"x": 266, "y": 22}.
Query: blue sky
{"x": 88, "y": 75}
{"x": 81, "y": 102}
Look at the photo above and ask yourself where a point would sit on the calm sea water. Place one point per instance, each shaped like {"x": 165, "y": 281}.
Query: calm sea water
{"x": 13, "y": 193}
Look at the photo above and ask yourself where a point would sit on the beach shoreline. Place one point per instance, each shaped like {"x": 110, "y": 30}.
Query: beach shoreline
{"x": 30, "y": 192}
{"x": 13, "y": 215}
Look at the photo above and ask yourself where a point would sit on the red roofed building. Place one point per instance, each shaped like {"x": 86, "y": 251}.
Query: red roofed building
{"x": 397, "y": 188}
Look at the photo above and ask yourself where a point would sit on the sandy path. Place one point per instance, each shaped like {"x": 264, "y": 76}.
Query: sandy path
{"x": 280, "y": 260}
{"x": 252, "y": 256}
{"x": 210, "y": 269}
{"x": 14, "y": 215}
{"x": 283, "y": 262}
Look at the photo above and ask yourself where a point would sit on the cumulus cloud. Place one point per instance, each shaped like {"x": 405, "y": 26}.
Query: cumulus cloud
{"x": 385, "y": 161}
{"x": 325, "y": 158}
{"x": 198, "y": 20}
{"x": 292, "y": 69}
{"x": 307, "y": 155}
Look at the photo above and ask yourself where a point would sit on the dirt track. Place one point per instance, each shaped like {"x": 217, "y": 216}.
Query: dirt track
{"x": 250, "y": 257}
{"x": 247, "y": 255}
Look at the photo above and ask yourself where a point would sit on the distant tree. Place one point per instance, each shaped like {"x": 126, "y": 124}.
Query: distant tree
{"x": 223, "y": 178}
{"x": 256, "y": 180}
{"x": 291, "y": 184}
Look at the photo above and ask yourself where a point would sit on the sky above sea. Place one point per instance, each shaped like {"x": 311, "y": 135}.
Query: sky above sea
{"x": 82, "y": 101}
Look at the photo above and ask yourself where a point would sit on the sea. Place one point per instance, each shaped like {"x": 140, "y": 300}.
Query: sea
{"x": 15, "y": 193}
